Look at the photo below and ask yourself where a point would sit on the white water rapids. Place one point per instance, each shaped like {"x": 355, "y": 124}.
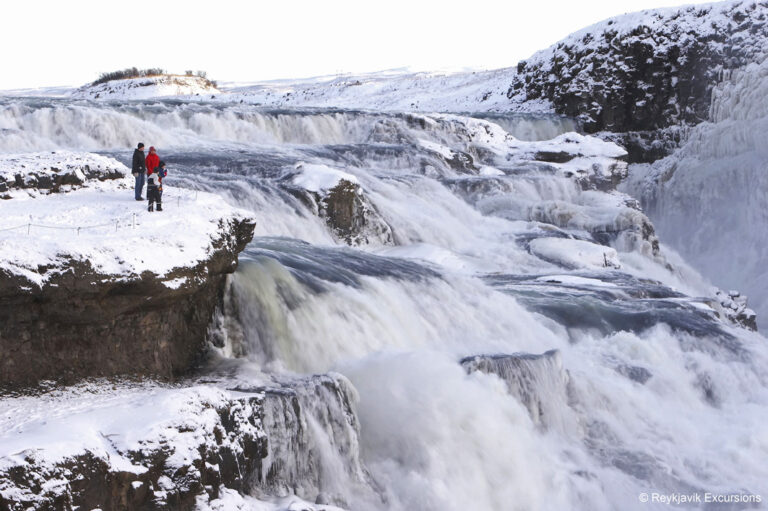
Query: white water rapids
{"x": 650, "y": 392}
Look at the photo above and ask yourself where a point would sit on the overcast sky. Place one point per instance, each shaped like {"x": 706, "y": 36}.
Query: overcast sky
{"x": 48, "y": 43}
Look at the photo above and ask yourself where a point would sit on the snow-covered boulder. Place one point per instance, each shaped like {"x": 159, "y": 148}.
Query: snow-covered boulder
{"x": 92, "y": 265}
{"x": 338, "y": 197}
{"x": 148, "y": 87}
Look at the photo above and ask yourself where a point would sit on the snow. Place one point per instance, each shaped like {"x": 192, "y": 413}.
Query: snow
{"x": 55, "y": 162}
{"x": 175, "y": 283}
{"x": 111, "y": 421}
{"x": 393, "y": 90}
{"x": 442, "y": 150}
{"x": 230, "y": 500}
{"x": 97, "y": 418}
{"x": 147, "y": 87}
{"x": 102, "y": 224}
{"x": 319, "y": 178}
{"x": 577, "y": 254}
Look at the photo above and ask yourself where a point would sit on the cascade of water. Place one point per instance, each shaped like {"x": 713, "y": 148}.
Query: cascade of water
{"x": 460, "y": 279}
{"x": 708, "y": 199}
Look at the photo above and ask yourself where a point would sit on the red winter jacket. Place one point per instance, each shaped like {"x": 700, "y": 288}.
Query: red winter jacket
{"x": 153, "y": 160}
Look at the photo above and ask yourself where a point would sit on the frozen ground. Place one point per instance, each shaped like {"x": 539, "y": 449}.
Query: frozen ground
{"x": 396, "y": 90}
{"x": 102, "y": 223}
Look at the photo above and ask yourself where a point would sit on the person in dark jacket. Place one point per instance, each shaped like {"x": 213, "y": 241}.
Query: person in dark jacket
{"x": 155, "y": 186}
{"x": 138, "y": 169}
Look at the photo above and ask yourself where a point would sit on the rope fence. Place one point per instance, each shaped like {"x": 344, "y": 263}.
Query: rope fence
{"x": 125, "y": 221}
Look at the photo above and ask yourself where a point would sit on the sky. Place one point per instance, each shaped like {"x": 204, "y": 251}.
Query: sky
{"x": 52, "y": 43}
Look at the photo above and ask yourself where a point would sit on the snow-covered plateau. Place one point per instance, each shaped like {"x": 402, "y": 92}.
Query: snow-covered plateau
{"x": 400, "y": 292}
{"x": 147, "y": 87}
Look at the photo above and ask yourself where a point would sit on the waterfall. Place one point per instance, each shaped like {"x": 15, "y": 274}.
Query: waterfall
{"x": 538, "y": 381}
{"x": 520, "y": 340}
{"x": 708, "y": 199}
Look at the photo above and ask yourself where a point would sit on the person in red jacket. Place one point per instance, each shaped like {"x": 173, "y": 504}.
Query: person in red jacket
{"x": 152, "y": 160}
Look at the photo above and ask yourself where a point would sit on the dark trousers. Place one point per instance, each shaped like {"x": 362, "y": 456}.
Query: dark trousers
{"x": 154, "y": 194}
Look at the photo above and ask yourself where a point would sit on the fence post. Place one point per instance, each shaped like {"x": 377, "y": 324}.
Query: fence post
{"x": 29, "y": 227}
{"x": 78, "y": 231}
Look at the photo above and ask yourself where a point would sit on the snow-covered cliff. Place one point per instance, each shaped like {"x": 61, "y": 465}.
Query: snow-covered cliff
{"x": 91, "y": 284}
{"x": 646, "y": 70}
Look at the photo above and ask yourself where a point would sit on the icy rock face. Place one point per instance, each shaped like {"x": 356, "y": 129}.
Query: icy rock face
{"x": 83, "y": 323}
{"x": 708, "y": 199}
{"x": 734, "y": 307}
{"x": 313, "y": 435}
{"x": 298, "y": 437}
{"x": 214, "y": 441}
{"x": 539, "y": 382}
{"x": 644, "y": 71}
{"x": 338, "y": 198}
{"x": 55, "y": 172}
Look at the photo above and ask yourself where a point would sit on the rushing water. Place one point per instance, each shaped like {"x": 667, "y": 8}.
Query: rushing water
{"x": 709, "y": 198}
{"x": 647, "y": 391}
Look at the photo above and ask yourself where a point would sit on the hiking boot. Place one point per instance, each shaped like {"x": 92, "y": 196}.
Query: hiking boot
{"x": 159, "y": 207}
{"x": 151, "y": 208}
{"x": 139, "y": 198}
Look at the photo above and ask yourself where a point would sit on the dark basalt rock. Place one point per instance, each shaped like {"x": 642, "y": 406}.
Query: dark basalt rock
{"x": 348, "y": 212}
{"x": 82, "y": 323}
{"x": 282, "y": 439}
{"x": 645, "y": 79}
{"x": 57, "y": 178}
{"x": 554, "y": 157}
{"x": 228, "y": 455}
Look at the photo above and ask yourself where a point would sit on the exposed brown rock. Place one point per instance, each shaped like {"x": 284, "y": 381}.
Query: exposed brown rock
{"x": 82, "y": 323}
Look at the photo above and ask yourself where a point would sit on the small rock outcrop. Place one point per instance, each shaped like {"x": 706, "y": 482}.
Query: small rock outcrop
{"x": 55, "y": 172}
{"x": 339, "y": 199}
{"x": 732, "y": 306}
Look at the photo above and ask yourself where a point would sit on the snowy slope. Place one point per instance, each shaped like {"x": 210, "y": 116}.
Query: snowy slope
{"x": 147, "y": 87}
{"x": 397, "y": 90}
